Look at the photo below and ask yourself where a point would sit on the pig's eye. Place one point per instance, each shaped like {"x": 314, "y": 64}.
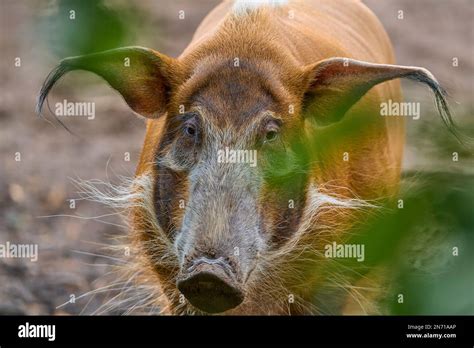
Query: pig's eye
{"x": 190, "y": 130}
{"x": 272, "y": 132}
{"x": 271, "y": 135}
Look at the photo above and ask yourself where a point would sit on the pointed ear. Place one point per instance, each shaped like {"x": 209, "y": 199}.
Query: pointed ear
{"x": 334, "y": 85}
{"x": 142, "y": 76}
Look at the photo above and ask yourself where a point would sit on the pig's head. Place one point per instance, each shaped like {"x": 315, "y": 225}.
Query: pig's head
{"x": 232, "y": 216}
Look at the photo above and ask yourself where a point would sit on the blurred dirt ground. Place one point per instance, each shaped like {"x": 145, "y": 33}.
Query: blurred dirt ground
{"x": 431, "y": 34}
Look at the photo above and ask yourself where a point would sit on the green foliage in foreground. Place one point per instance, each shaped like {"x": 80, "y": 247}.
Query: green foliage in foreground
{"x": 428, "y": 244}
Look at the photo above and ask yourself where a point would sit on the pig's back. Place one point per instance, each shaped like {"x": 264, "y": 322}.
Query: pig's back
{"x": 311, "y": 29}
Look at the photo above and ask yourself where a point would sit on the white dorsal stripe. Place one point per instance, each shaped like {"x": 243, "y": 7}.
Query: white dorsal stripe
{"x": 243, "y": 6}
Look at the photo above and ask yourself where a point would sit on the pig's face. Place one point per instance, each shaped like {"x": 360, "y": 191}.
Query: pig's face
{"x": 230, "y": 181}
{"x": 230, "y": 207}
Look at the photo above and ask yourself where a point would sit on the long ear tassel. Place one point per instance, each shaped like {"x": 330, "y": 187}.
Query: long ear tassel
{"x": 144, "y": 83}
{"x": 338, "y": 83}
{"x": 424, "y": 76}
{"x": 49, "y": 82}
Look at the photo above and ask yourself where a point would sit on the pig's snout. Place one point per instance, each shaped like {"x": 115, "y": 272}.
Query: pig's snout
{"x": 210, "y": 285}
